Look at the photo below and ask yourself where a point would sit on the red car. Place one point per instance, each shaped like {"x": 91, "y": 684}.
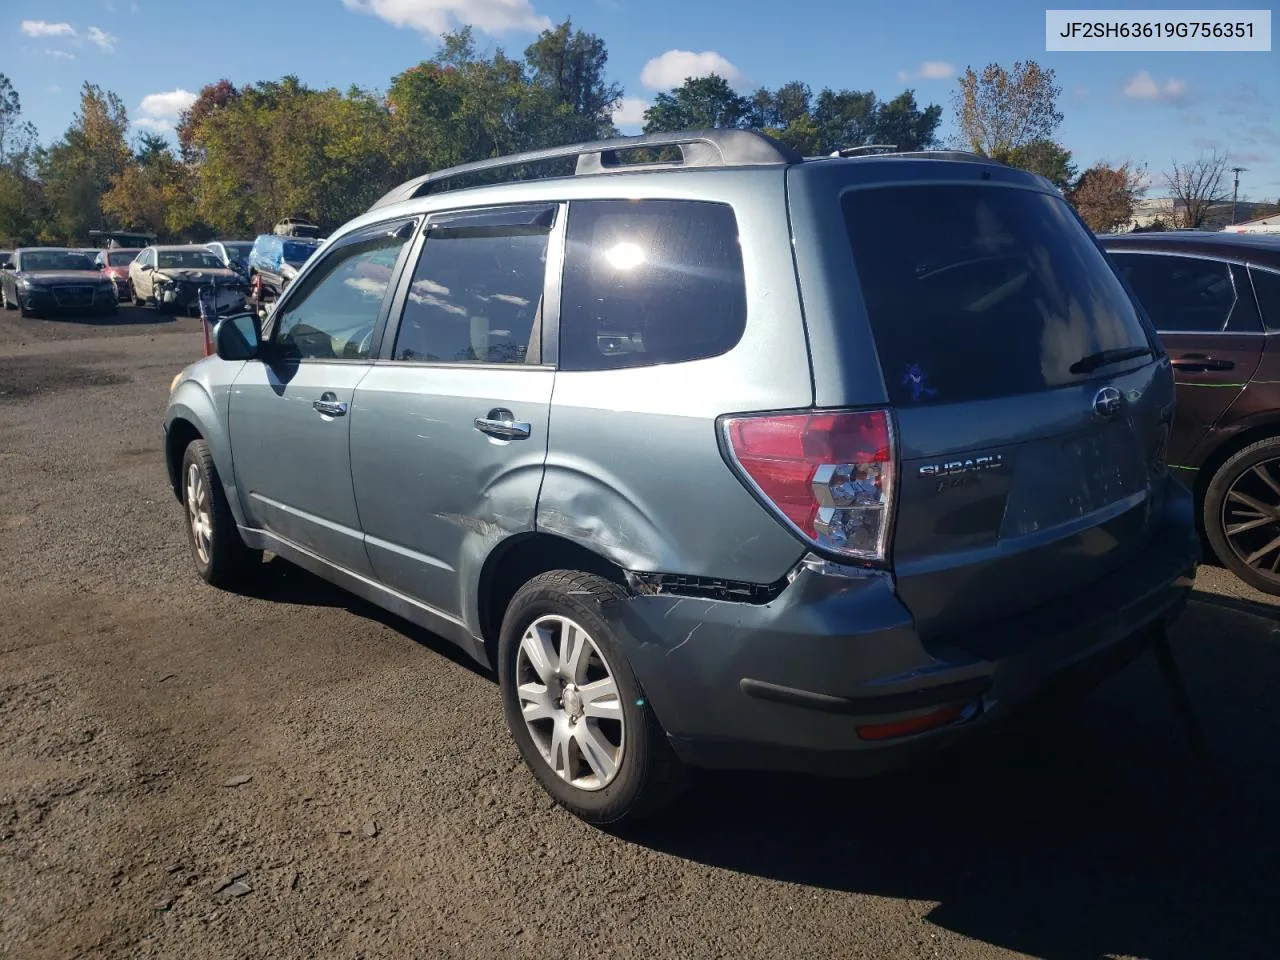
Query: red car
{"x": 114, "y": 263}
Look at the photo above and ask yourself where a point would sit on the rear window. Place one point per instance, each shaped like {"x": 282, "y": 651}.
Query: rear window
{"x": 649, "y": 282}
{"x": 976, "y": 292}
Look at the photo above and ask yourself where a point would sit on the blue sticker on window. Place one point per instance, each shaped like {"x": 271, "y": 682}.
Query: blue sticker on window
{"x": 917, "y": 380}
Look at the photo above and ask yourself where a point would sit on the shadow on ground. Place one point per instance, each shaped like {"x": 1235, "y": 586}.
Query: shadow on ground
{"x": 127, "y": 315}
{"x": 1086, "y": 832}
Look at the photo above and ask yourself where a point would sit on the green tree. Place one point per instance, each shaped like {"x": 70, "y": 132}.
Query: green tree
{"x": 845, "y": 118}
{"x": 156, "y": 192}
{"x": 21, "y": 194}
{"x": 212, "y": 97}
{"x": 1049, "y": 159}
{"x": 1000, "y": 110}
{"x": 79, "y": 169}
{"x": 699, "y": 103}
{"x": 570, "y": 65}
{"x": 902, "y": 123}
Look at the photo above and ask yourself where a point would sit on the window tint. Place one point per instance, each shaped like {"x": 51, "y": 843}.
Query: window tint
{"x": 1180, "y": 294}
{"x": 1266, "y": 284}
{"x": 976, "y": 292}
{"x": 121, "y": 259}
{"x": 476, "y": 293}
{"x": 650, "y": 281}
{"x": 333, "y": 314}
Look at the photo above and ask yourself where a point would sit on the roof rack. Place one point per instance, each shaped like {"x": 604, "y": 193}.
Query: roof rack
{"x": 865, "y": 148}
{"x": 698, "y": 148}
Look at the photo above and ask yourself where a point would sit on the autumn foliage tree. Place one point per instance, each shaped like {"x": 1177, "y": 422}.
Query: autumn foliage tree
{"x": 1105, "y": 196}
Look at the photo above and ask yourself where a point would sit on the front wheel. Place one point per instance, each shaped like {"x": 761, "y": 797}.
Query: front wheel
{"x": 4, "y": 299}
{"x": 574, "y": 707}
{"x": 1242, "y": 515}
{"x": 220, "y": 556}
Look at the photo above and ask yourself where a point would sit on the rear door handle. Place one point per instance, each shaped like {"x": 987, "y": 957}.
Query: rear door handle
{"x": 503, "y": 425}
{"x": 1199, "y": 362}
{"x": 329, "y": 405}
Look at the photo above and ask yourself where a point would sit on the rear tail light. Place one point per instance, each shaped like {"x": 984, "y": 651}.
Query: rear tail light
{"x": 829, "y": 475}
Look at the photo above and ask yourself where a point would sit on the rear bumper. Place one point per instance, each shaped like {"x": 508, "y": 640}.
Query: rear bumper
{"x": 786, "y": 685}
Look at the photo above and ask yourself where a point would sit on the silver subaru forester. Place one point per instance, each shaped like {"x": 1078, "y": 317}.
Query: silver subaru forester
{"x": 729, "y": 458}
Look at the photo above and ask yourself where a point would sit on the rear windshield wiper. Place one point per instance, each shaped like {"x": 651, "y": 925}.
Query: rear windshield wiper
{"x": 1104, "y": 357}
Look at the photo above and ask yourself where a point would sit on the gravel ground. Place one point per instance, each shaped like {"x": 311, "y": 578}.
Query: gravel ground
{"x": 195, "y": 774}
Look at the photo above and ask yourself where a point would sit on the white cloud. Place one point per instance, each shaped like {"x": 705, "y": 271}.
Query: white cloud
{"x": 629, "y": 111}
{"x": 166, "y": 106}
{"x": 154, "y": 124}
{"x": 43, "y": 28}
{"x": 61, "y": 54}
{"x": 103, "y": 39}
{"x": 436, "y": 16}
{"x": 674, "y": 67}
{"x": 1142, "y": 86}
{"x": 929, "y": 70}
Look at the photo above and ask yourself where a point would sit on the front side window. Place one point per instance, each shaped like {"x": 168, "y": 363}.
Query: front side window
{"x": 1181, "y": 294}
{"x": 476, "y": 292}
{"x": 332, "y": 316}
{"x": 649, "y": 282}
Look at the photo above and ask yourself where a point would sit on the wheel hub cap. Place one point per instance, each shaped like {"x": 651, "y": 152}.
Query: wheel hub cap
{"x": 570, "y": 703}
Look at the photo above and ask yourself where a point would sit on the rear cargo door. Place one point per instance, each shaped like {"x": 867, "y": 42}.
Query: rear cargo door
{"x": 1032, "y": 402}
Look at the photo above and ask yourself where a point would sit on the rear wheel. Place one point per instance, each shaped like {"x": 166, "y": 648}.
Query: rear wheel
{"x": 1242, "y": 515}
{"x": 574, "y": 707}
{"x": 220, "y": 556}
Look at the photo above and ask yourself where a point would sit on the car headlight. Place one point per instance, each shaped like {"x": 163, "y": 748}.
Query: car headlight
{"x": 30, "y": 284}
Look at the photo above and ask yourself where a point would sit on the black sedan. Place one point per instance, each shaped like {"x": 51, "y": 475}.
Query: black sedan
{"x": 46, "y": 280}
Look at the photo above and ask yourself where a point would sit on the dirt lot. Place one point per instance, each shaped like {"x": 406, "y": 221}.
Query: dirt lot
{"x": 387, "y": 815}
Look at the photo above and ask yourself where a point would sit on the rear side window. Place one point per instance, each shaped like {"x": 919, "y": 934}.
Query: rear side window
{"x": 1266, "y": 284}
{"x": 976, "y": 292}
{"x": 649, "y": 282}
{"x": 1181, "y": 294}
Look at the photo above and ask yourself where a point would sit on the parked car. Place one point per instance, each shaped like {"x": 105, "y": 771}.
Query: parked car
{"x": 274, "y": 261}
{"x": 48, "y": 280}
{"x": 114, "y": 265}
{"x": 172, "y": 278}
{"x": 1215, "y": 298}
{"x": 721, "y": 463}
{"x": 234, "y": 254}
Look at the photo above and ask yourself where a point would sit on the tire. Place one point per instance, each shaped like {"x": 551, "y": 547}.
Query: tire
{"x": 23, "y": 309}
{"x": 1246, "y": 474}
{"x": 220, "y": 556}
{"x": 645, "y": 775}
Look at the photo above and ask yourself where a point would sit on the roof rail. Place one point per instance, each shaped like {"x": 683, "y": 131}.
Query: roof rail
{"x": 865, "y": 148}
{"x": 968, "y": 155}
{"x": 698, "y": 148}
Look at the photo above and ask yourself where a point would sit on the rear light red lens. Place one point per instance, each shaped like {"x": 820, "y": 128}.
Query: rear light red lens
{"x": 919, "y": 724}
{"x": 830, "y": 474}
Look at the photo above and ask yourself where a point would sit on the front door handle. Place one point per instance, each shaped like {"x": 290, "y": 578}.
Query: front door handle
{"x": 503, "y": 425}
{"x": 1199, "y": 362}
{"x": 329, "y": 405}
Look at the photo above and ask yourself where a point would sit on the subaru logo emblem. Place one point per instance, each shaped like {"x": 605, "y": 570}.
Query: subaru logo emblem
{"x": 1107, "y": 403}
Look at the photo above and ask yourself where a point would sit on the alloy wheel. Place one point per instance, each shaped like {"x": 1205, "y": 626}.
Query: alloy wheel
{"x": 1251, "y": 518}
{"x": 198, "y": 513}
{"x": 569, "y": 700}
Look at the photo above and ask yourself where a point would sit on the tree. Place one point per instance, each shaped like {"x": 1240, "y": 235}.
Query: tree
{"x": 1049, "y": 159}
{"x": 155, "y": 192}
{"x": 1001, "y": 110}
{"x": 845, "y": 118}
{"x": 1105, "y": 196}
{"x": 212, "y": 97}
{"x": 17, "y": 137}
{"x": 79, "y": 169}
{"x": 1196, "y": 187}
{"x": 902, "y": 123}
{"x": 570, "y": 65}
{"x": 698, "y": 103}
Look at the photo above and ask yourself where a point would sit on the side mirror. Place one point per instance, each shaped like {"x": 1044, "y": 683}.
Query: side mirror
{"x": 237, "y": 338}
{"x": 144, "y": 266}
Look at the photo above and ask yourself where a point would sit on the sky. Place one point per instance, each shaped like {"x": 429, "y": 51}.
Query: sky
{"x": 1146, "y": 107}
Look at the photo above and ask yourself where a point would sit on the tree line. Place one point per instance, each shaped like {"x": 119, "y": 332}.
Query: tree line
{"x": 248, "y": 156}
